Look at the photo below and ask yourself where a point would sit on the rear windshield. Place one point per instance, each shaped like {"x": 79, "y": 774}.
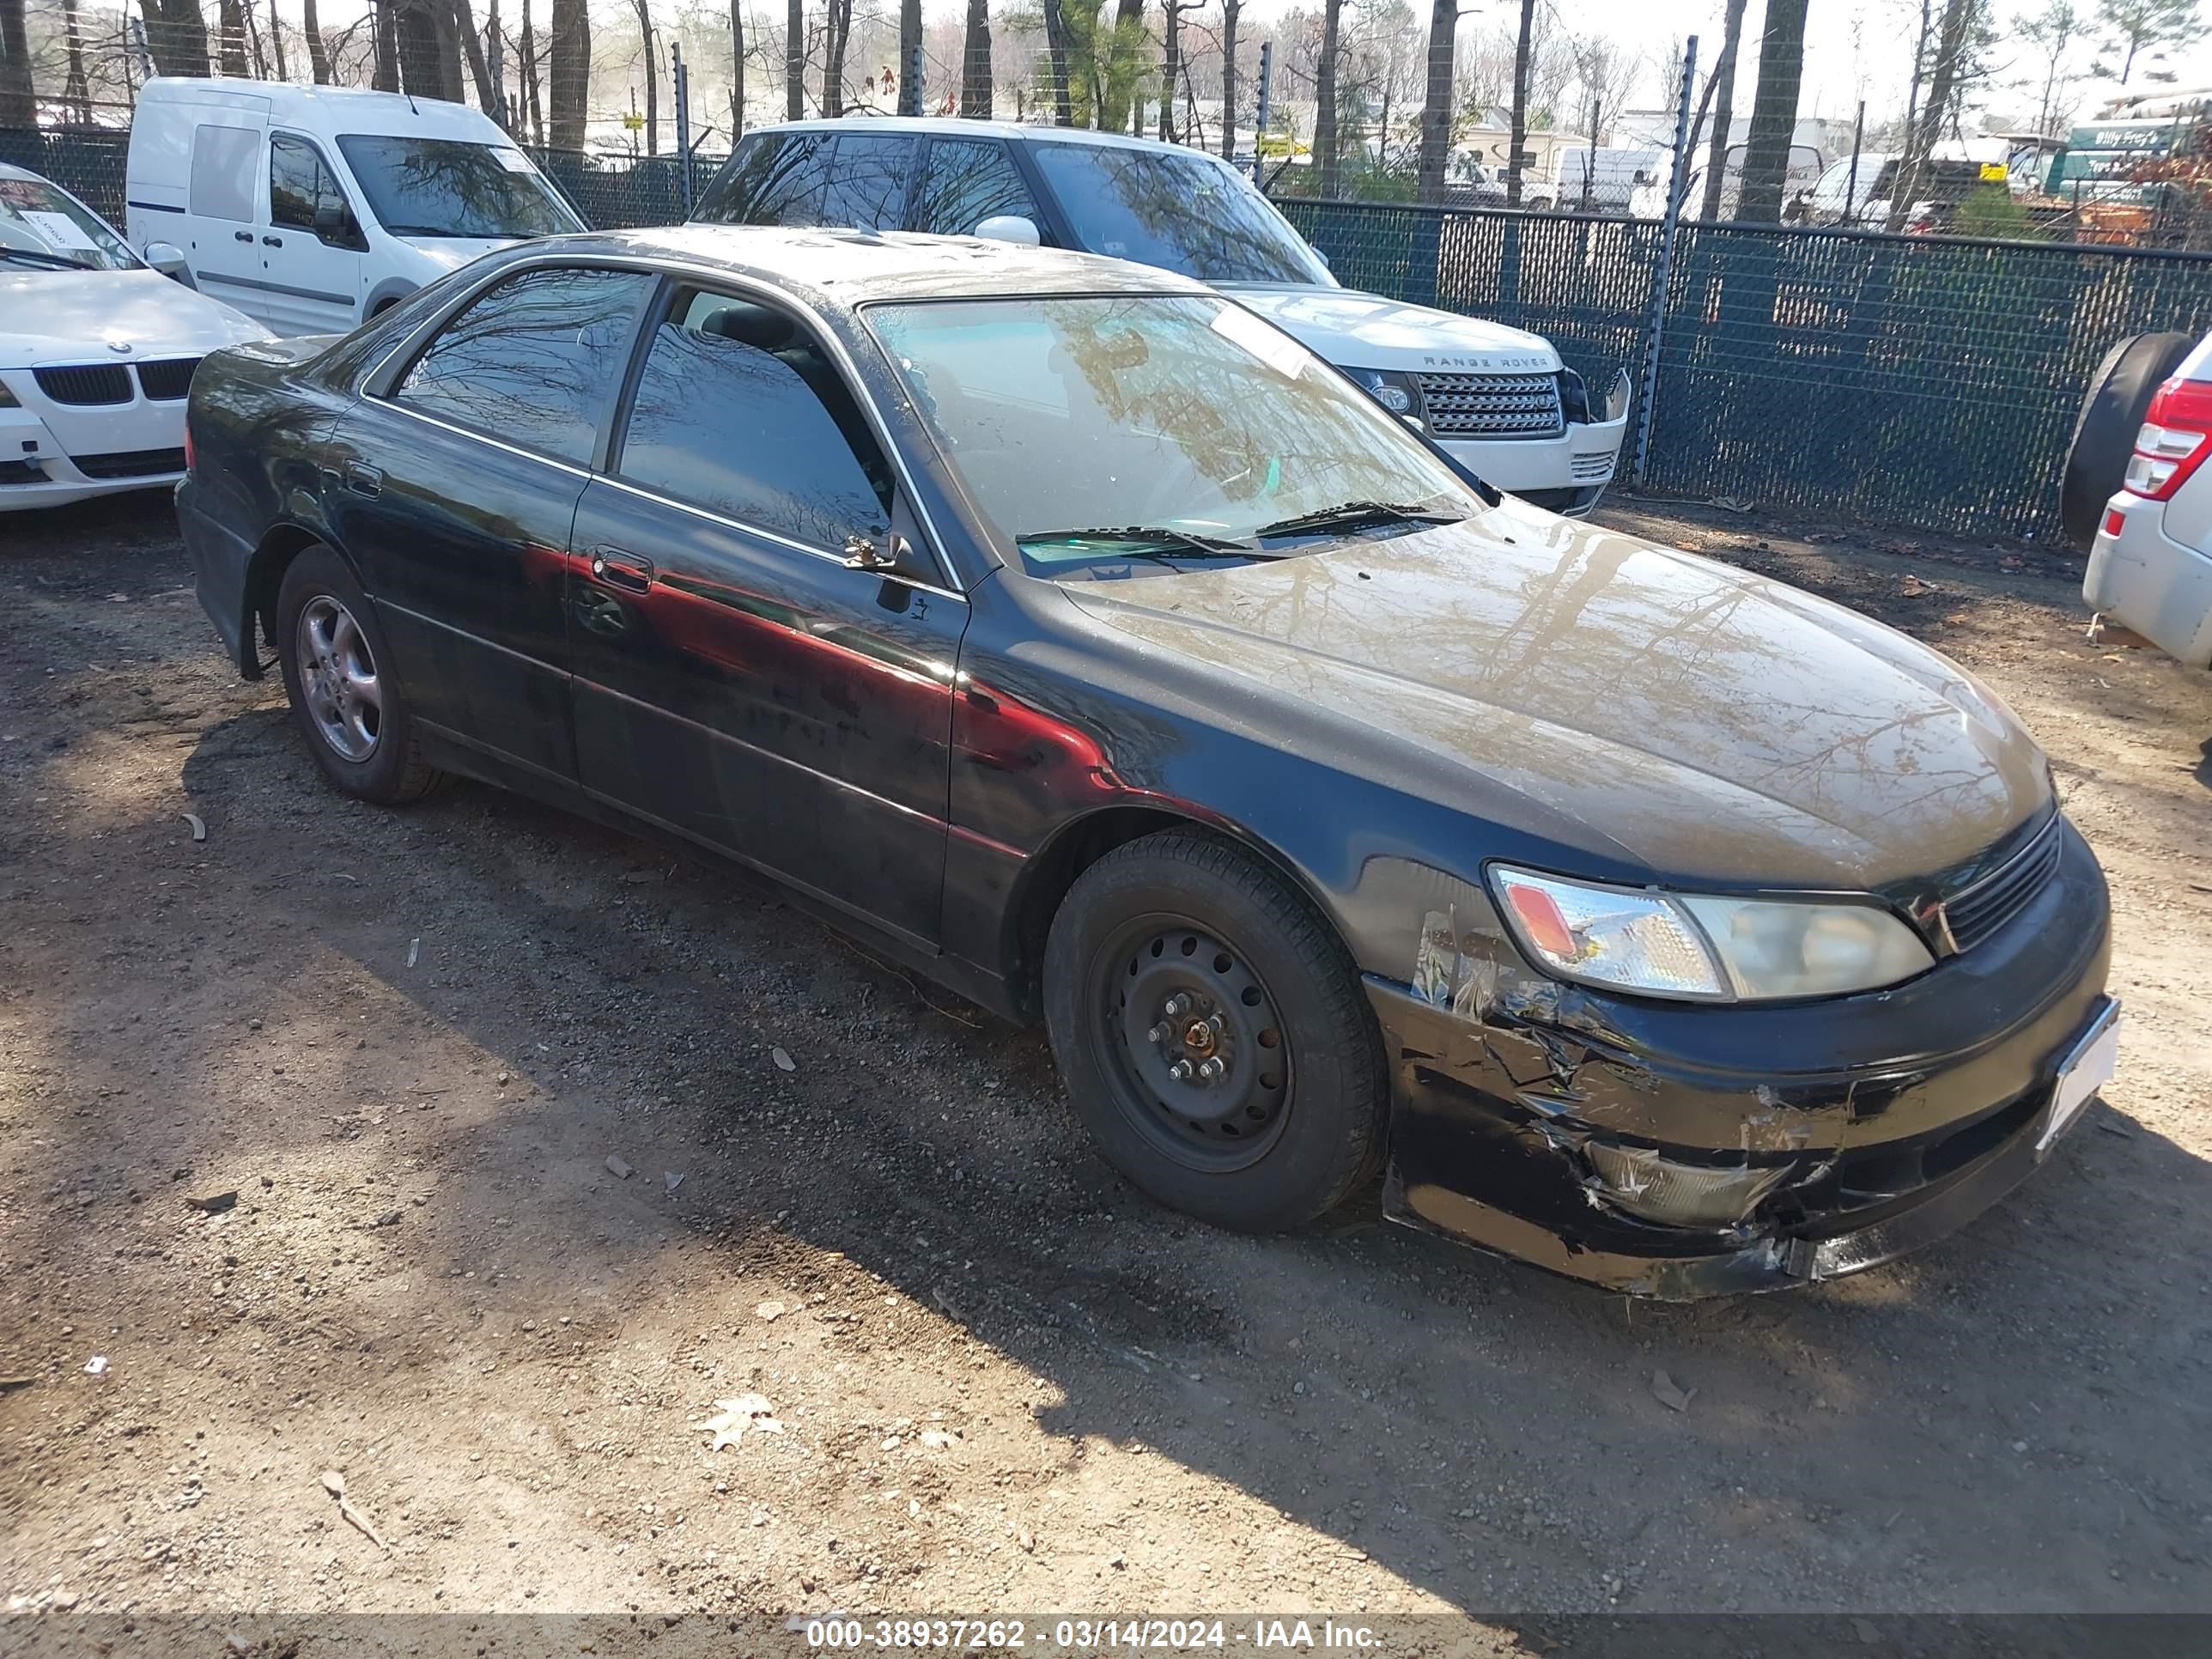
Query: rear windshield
{"x": 54, "y": 228}
{"x": 447, "y": 187}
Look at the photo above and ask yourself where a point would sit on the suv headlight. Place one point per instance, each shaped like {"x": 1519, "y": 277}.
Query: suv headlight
{"x": 1704, "y": 948}
{"x": 1399, "y": 393}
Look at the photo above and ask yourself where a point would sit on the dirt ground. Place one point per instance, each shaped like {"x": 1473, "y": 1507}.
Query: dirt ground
{"x": 526, "y": 1189}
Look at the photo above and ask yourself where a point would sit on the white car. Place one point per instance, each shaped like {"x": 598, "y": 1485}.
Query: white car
{"x": 1497, "y": 399}
{"x": 2150, "y": 566}
{"x": 97, "y": 351}
{"x": 312, "y": 208}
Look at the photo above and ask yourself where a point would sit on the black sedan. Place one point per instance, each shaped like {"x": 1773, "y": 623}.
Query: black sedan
{"x": 1083, "y": 642}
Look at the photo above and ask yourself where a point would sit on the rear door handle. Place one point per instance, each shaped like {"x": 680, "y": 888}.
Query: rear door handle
{"x": 272, "y": 241}
{"x": 364, "y": 479}
{"x": 241, "y": 235}
{"x": 618, "y": 568}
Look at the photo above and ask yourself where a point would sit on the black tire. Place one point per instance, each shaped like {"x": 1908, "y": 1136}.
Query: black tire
{"x": 391, "y": 769}
{"x": 2104, "y": 431}
{"x": 1281, "y": 999}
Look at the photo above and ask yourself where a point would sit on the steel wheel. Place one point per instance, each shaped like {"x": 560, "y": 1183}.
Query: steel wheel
{"x": 1198, "y": 1051}
{"x": 338, "y": 675}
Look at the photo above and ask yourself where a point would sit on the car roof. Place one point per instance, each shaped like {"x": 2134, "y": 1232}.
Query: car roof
{"x": 848, "y": 267}
{"x": 8, "y": 170}
{"x": 358, "y": 103}
{"x": 956, "y": 126}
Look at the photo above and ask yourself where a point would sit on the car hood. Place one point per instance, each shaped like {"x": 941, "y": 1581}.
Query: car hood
{"x": 1365, "y": 330}
{"x": 1642, "y": 705}
{"x": 451, "y": 253}
{"x": 71, "y": 316}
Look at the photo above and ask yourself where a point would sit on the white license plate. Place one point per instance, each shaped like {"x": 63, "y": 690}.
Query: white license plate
{"x": 2081, "y": 1073}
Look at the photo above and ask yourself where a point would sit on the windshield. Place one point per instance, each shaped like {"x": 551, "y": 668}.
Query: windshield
{"x": 1183, "y": 213}
{"x": 43, "y": 220}
{"x": 446, "y": 187}
{"x": 1186, "y": 417}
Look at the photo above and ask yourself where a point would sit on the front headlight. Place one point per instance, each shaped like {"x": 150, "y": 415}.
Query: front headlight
{"x": 1399, "y": 393}
{"x": 1702, "y": 948}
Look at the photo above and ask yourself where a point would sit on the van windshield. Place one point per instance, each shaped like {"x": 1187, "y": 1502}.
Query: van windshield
{"x": 450, "y": 187}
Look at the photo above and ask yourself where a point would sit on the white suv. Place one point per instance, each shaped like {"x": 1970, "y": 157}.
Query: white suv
{"x": 2150, "y": 566}
{"x": 1498, "y": 400}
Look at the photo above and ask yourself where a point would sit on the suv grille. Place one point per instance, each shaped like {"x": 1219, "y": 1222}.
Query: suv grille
{"x": 167, "y": 381}
{"x": 89, "y": 383}
{"x": 1981, "y": 910}
{"x": 1494, "y": 405}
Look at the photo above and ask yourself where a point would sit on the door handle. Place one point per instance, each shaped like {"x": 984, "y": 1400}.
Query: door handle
{"x": 364, "y": 479}
{"x": 272, "y": 241}
{"x": 618, "y": 568}
{"x": 241, "y": 235}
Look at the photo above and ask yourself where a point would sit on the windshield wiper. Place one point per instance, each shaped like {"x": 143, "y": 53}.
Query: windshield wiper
{"x": 9, "y": 251}
{"x": 1159, "y": 537}
{"x": 1357, "y": 515}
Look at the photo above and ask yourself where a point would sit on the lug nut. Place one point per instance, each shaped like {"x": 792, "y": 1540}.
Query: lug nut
{"x": 1180, "y": 1071}
{"x": 1159, "y": 1032}
{"x": 1176, "y": 1004}
{"x": 1210, "y": 1071}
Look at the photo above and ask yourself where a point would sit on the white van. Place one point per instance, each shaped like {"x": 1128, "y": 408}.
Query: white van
{"x": 311, "y": 209}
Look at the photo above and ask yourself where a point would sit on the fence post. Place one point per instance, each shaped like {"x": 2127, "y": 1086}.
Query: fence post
{"x": 1678, "y": 184}
{"x": 1267, "y": 96}
{"x": 680, "y": 84}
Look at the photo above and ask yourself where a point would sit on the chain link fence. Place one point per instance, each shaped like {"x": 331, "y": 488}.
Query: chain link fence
{"x": 1919, "y": 380}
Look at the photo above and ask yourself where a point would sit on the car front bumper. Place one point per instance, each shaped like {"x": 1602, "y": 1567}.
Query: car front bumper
{"x": 1897, "y": 1117}
{"x": 139, "y": 446}
{"x": 1567, "y": 473}
{"x": 2142, "y": 578}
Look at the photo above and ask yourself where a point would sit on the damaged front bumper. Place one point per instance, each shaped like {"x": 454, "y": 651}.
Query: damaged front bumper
{"x": 1853, "y": 1130}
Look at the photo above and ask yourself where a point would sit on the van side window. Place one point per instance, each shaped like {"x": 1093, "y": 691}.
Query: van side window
{"x": 535, "y": 360}
{"x": 226, "y": 169}
{"x": 738, "y": 410}
{"x": 304, "y": 195}
{"x": 967, "y": 181}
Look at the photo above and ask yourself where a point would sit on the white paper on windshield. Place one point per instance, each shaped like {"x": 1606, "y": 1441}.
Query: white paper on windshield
{"x": 512, "y": 160}
{"x": 57, "y": 228}
{"x": 1270, "y": 345}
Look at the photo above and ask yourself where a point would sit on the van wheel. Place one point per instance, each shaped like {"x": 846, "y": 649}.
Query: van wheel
{"x": 344, "y": 698}
{"x": 1213, "y": 1035}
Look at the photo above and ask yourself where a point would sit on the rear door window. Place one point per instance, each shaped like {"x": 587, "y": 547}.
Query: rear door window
{"x": 868, "y": 179}
{"x": 775, "y": 179}
{"x": 967, "y": 181}
{"x": 535, "y": 360}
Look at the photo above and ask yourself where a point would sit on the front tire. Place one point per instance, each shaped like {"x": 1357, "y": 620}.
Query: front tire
{"x": 1213, "y": 1035}
{"x": 344, "y": 699}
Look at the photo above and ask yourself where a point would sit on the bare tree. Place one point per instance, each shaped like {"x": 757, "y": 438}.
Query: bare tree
{"x": 230, "y": 48}
{"x": 568, "y": 71}
{"x": 19, "y": 103}
{"x": 652, "y": 77}
{"x": 837, "y": 30}
{"x": 1437, "y": 105}
{"x": 2055, "y": 32}
{"x": 1960, "y": 33}
{"x": 385, "y": 34}
{"x": 176, "y": 35}
{"x": 794, "y": 61}
{"x": 472, "y": 52}
{"x": 1325, "y": 133}
{"x": 976, "y": 89}
{"x": 1517, "y": 135}
{"x": 1724, "y": 91}
{"x": 76, "y": 93}
{"x": 1773, "y": 111}
{"x": 738, "y": 65}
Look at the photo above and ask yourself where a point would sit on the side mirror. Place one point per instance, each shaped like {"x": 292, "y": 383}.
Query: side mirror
{"x": 892, "y": 556}
{"x": 169, "y": 260}
{"x": 1010, "y": 228}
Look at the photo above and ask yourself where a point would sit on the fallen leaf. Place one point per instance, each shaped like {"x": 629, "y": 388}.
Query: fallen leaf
{"x": 747, "y": 1411}
{"x": 1665, "y": 1390}
{"x": 784, "y": 1062}
{"x": 199, "y": 829}
{"x": 617, "y": 1168}
{"x": 770, "y": 1311}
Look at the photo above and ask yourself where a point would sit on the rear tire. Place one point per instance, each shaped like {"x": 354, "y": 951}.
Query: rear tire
{"x": 345, "y": 699}
{"x": 1183, "y": 949}
{"x": 2104, "y": 431}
